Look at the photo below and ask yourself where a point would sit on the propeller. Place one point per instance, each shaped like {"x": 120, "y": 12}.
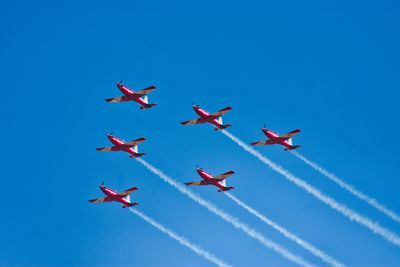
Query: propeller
{"x": 265, "y": 125}
{"x": 120, "y": 82}
{"x": 102, "y": 184}
{"x": 110, "y": 133}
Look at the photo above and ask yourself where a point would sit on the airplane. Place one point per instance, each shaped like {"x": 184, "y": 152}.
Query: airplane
{"x": 208, "y": 179}
{"x": 214, "y": 118}
{"x": 274, "y": 138}
{"x": 120, "y": 145}
{"x": 111, "y": 195}
{"x": 130, "y": 95}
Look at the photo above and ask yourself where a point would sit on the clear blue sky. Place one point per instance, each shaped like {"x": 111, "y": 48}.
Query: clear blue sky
{"x": 331, "y": 69}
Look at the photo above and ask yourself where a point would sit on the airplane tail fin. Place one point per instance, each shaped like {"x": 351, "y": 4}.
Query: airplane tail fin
{"x": 145, "y": 99}
{"x": 148, "y": 106}
{"x": 223, "y": 127}
{"x": 130, "y": 205}
{"x": 289, "y": 140}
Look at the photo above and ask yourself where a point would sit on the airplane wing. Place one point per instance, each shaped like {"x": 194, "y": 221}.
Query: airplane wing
{"x": 145, "y": 91}
{"x": 221, "y": 112}
{"x": 117, "y": 99}
{"x": 191, "y": 122}
{"x": 290, "y": 134}
{"x": 135, "y": 142}
{"x": 127, "y": 192}
{"x": 262, "y": 143}
{"x": 100, "y": 200}
{"x": 108, "y": 149}
{"x": 197, "y": 183}
{"x": 223, "y": 176}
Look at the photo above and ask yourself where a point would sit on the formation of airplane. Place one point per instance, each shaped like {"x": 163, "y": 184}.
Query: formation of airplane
{"x": 120, "y": 145}
{"x": 274, "y": 138}
{"x": 214, "y": 118}
{"x": 208, "y": 179}
{"x": 204, "y": 117}
{"x": 111, "y": 195}
{"x": 130, "y": 95}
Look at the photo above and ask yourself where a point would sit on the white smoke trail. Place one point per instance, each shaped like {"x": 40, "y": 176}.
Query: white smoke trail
{"x": 371, "y": 201}
{"x": 350, "y": 214}
{"x": 225, "y": 216}
{"x": 183, "y": 241}
{"x": 311, "y": 248}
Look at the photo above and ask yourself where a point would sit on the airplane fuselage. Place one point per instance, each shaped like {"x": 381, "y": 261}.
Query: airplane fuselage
{"x": 207, "y": 178}
{"x": 206, "y": 117}
{"x": 113, "y": 195}
{"x": 275, "y": 139}
{"x": 121, "y": 145}
{"x": 129, "y": 94}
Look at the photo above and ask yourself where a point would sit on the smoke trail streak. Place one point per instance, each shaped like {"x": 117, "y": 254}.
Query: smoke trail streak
{"x": 183, "y": 241}
{"x": 350, "y": 214}
{"x": 311, "y": 248}
{"x": 371, "y": 201}
{"x": 226, "y": 217}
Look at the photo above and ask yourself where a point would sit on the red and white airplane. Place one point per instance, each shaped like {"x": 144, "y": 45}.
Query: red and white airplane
{"x": 274, "y": 138}
{"x": 120, "y": 145}
{"x": 208, "y": 179}
{"x": 214, "y": 118}
{"x": 111, "y": 195}
{"x": 130, "y": 95}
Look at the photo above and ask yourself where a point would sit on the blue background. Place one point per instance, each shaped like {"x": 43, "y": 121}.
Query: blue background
{"x": 330, "y": 69}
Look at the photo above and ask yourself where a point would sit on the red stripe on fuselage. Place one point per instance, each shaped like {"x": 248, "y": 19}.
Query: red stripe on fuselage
{"x": 125, "y": 90}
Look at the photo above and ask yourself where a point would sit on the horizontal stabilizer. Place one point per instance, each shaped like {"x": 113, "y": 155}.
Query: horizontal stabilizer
{"x": 226, "y": 189}
{"x": 130, "y": 205}
{"x": 292, "y": 148}
{"x": 137, "y": 155}
{"x": 147, "y": 106}
{"x": 222, "y": 127}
